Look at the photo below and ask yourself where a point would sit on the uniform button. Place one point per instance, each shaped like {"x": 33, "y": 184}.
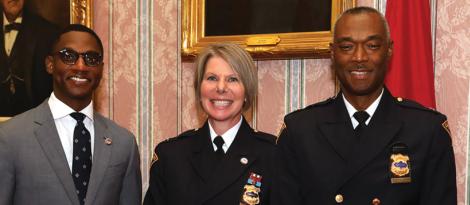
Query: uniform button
{"x": 376, "y": 201}
{"x": 339, "y": 198}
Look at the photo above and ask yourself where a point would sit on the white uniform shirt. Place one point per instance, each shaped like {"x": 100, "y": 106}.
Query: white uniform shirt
{"x": 370, "y": 110}
{"x": 228, "y": 136}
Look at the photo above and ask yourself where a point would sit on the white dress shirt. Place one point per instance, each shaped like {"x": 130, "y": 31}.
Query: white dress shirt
{"x": 65, "y": 125}
{"x": 10, "y": 37}
{"x": 370, "y": 110}
{"x": 228, "y": 136}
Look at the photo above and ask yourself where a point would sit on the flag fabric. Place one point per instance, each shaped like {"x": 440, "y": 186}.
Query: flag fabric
{"x": 410, "y": 73}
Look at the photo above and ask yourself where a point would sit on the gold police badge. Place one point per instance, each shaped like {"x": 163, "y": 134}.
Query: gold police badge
{"x": 251, "y": 190}
{"x": 400, "y": 168}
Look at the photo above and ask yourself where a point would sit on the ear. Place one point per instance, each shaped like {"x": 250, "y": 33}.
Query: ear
{"x": 332, "y": 51}
{"x": 49, "y": 64}
{"x": 390, "y": 49}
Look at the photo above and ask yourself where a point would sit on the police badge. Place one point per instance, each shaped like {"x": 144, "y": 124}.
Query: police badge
{"x": 251, "y": 190}
{"x": 400, "y": 168}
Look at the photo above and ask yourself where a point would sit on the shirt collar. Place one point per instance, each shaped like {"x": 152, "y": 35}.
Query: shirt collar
{"x": 229, "y": 135}
{"x": 370, "y": 110}
{"x": 60, "y": 110}
{"x": 19, "y": 19}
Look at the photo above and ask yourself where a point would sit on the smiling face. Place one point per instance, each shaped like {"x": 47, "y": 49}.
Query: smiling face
{"x": 222, "y": 92}
{"x": 360, "y": 54}
{"x": 12, "y": 8}
{"x": 74, "y": 84}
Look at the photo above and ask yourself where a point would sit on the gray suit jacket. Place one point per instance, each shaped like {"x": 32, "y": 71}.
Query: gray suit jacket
{"x": 34, "y": 170}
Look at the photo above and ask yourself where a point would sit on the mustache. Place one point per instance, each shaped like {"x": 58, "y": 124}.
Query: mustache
{"x": 358, "y": 66}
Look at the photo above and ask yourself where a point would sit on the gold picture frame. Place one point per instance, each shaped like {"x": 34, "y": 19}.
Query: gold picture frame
{"x": 81, "y": 11}
{"x": 261, "y": 46}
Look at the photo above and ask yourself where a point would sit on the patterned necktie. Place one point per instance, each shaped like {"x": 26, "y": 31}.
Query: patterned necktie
{"x": 81, "y": 165}
{"x": 219, "y": 142}
{"x": 12, "y": 26}
{"x": 361, "y": 117}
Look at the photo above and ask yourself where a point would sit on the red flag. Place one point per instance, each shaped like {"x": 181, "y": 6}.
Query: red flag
{"x": 411, "y": 72}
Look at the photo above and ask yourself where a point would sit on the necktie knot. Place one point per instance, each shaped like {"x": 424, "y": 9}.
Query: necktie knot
{"x": 79, "y": 117}
{"x": 361, "y": 117}
{"x": 12, "y": 26}
{"x": 219, "y": 142}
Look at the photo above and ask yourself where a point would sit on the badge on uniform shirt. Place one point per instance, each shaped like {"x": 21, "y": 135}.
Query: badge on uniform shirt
{"x": 251, "y": 190}
{"x": 400, "y": 167}
{"x": 445, "y": 125}
{"x": 154, "y": 158}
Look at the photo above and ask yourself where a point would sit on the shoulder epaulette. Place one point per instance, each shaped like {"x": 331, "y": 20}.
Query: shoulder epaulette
{"x": 318, "y": 104}
{"x": 171, "y": 139}
{"x": 265, "y": 136}
{"x": 183, "y": 135}
{"x": 413, "y": 105}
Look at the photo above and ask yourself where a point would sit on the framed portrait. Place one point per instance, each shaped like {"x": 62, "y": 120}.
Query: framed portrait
{"x": 268, "y": 29}
{"x": 63, "y": 12}
{"x": 60, "y": 13}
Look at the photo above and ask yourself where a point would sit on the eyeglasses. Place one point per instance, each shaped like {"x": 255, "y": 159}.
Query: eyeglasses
{"x": 70, "y": 57}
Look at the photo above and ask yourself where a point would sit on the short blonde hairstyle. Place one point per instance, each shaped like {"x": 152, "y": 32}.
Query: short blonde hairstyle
{"x": 238, "y": 59}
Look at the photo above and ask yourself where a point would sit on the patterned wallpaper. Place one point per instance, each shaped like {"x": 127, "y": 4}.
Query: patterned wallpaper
{"x": 452, "y": 63}
{"x": 148, "y": 89}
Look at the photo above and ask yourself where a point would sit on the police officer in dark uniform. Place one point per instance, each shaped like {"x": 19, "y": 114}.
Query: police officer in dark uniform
{"x": 226, "y": 161}
{"x": 365, "y": 146}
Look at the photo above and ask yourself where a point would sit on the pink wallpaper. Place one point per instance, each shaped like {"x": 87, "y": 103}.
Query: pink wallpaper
{"x": 452, "y": 79}
{"x": 271, "y": 102}
{"x": 132, "y": 28}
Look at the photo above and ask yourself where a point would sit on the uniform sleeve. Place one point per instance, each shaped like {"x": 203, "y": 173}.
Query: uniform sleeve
{"x": 286, "y": 188}
{"x": 7, "y": 179}
{"x": 156, "y": 193}
{"x": 131, "y": 192}
{"x": 440, "y": 179}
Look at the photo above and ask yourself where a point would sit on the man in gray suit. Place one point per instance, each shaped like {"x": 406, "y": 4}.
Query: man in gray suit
{"x": 62, "y": 152}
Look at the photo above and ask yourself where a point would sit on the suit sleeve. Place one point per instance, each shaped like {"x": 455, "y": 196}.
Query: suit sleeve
{"x": 7, "y": 170}
{"x": 131, "y": 192}
{"x": 286, "y": 187}
{"x": 156, "y": 193}
{"x": 440, "y": 179}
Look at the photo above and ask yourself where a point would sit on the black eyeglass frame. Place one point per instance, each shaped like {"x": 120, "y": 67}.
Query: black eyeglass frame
{"x": 88, "y": 57}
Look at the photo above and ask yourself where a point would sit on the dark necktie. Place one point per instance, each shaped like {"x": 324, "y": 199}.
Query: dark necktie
{"x": 81, "y": 165}
{"x": 218, "y": 141}
{"x": 361, "y": 117}
{"x": 12, "y": 26}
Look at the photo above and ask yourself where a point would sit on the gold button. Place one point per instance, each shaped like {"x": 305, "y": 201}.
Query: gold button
{"x": 339, "y": 198}
{"x": 376, "y": 201}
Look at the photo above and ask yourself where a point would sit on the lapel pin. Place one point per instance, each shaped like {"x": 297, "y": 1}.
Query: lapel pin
{"x": 244, "y": 160}
{"x": 108, "y": 141}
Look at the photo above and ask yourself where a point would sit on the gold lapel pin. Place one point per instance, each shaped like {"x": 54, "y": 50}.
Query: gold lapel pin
{"x": 108, "y": 141}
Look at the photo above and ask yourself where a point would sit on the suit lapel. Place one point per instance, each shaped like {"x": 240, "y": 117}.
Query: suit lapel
{"x": 337, "y": 128}
{"x": 231, "y": 169}
{"x": 202, "y": 153}
{"x": 101, "y": 157}
{"x": 48, "y": 138}
{"x": 383, "y": 126}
